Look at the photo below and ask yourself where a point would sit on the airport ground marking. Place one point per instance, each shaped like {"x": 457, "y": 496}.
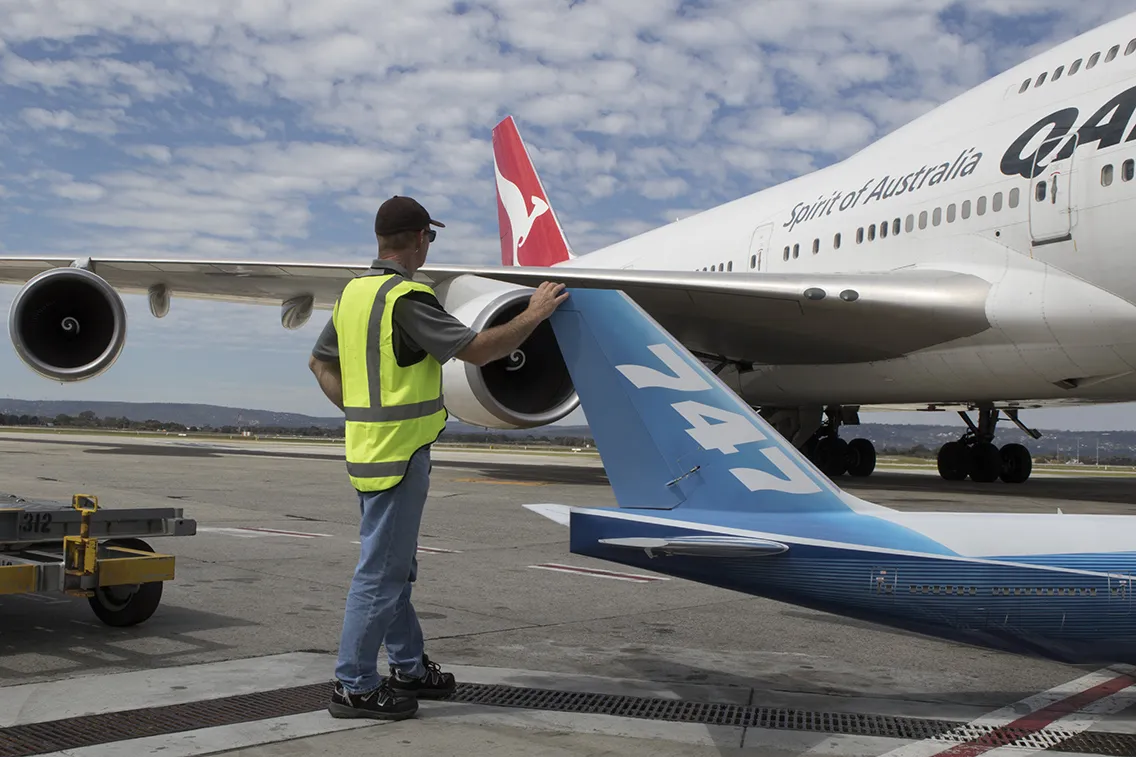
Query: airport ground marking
{"x": 251, "y": 532}
{"x": 1053, "y": 716}
{"x": 639, "y": 578}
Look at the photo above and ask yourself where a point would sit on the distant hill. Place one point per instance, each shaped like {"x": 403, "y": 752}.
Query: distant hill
{"x": 888, "y": 438}
{"x": 167, "y": 412}
{"x": 217, "y": 416}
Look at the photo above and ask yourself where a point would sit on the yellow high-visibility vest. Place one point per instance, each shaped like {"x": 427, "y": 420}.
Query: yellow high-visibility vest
{"x": 391, "y": 411}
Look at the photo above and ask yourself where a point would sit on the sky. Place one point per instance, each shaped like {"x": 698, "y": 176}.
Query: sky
{"x": 273, "y": 129}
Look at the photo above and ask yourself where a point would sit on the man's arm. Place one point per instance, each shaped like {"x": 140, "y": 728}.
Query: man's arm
{"x": 330, "y": 379}
{"x": 324, "y": 363}
{"x": 497, "y": 342}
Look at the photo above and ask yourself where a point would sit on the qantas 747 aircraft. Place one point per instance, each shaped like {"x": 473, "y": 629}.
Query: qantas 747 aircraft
{"x": 978, "y": 259}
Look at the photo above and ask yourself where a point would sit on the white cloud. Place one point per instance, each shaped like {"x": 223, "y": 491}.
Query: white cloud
{"x": 79, "y": 191}
{"x": 336, "y": 106}
{"x": 104, "y": 122}
{"x": 244, "y": 129}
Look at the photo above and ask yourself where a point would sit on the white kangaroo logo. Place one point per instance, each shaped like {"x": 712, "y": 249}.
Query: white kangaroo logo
{"x": 520, "y": 219}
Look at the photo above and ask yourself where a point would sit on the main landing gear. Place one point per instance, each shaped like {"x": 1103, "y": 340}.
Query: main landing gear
{"x": 835, "y": 456}
{"x": 975, "y": 454}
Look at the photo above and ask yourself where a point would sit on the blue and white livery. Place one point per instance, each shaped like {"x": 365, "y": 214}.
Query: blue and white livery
{"x": 708, "y": 491}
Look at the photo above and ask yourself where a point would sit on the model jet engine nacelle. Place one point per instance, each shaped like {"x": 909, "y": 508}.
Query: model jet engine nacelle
{"x": 67, "y": 324}
{"x": 529, "y": 388}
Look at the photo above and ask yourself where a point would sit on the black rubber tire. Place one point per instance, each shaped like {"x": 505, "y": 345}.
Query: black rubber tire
{"x": 121, "y": 611}
{"x": 953, "y": 462}
{"x": 1017, "y": 463}
{"x": 985, "y": 463}
{"x": 832, "y": 456}
{"x": 861, "y": 458}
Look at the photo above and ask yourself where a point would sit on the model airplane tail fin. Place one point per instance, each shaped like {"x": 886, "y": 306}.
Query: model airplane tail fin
{"x": 530, "y": 232}
{"x": 670, "y": 433}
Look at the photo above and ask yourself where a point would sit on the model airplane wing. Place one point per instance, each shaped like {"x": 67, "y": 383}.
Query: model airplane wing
{"x": 763, "y": 318}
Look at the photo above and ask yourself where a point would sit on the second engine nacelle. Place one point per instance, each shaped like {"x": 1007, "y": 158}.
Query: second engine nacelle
{"x": 531, "y": 387}
{"x": 67, "y": 324}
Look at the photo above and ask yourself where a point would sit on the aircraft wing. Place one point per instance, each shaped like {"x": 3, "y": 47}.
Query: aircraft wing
{"x": 784, "y": 319}
{"x": 797, "y": 318}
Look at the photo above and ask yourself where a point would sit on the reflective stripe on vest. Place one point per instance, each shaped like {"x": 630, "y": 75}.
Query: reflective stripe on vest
{"x": 391, "y": 411}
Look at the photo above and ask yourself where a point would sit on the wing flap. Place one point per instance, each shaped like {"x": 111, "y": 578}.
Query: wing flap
{"x": 701, "y": 546}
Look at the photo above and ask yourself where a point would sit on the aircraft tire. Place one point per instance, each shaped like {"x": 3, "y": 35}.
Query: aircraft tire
{"x": 861, "y": 458}
{"x": 831, "y": 456}
{"x": 1017, "y": 463}
{"x": 953, "y": 464}
{"x": 985, "y": 463}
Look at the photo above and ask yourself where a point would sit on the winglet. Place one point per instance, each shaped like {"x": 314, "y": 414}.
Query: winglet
{"x": 531, "y": 235}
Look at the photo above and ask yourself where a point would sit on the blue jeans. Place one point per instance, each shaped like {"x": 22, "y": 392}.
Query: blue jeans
{"x": 378, "y": 602}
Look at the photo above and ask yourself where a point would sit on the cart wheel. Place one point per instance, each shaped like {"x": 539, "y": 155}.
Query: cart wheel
{"x": 122, "y": 606}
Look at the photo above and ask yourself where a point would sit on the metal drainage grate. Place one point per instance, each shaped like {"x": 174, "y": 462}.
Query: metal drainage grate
{"x": 91, "y": 730}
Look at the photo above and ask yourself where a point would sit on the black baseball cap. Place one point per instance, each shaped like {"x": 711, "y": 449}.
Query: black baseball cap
{"x": 402, "y": 214}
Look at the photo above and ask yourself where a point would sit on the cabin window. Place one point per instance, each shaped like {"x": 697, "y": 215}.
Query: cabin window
{"x": 871, "y": 232}
{"x": 951, "y": 213}
{"x": 1131, "y": 48}
{"x": 1040, "y": 80}
{"x": 1106, "y": 176}
{"x": 966, "y": 209}
{"x": 836, "y": 242}
{"x": 1112, "y": 54}
{"x": 1057, "y": 74}
{"x": 1015, "y": 197}
{"x": 753, "y": 261}
{"x": 1075, "y": 67}
{"x": 1039, "y": 193}
{"x": 730, "y": 266}
{"x": 860, "y": 235}
{"x": 796, "y": 251}
{"x": 884, "y": 230}
{"x": 895, "y": 227}
{"x": 786, "y": 253}
{"x": 909, "y": 226}
{"x": 1093, "y": 61}
{"x": 1129, "y": 170}
{"x": 923, "y": 220}
{"x": 996, "y": 203}
{"x": 980, "y": 207}
{"x": 937, "y": 217}
{"x": 1025, "y": 86}
{"x": 816, "y": 246}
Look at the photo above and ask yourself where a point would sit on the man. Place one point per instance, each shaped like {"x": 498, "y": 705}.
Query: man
{"x": 379, "y": 359}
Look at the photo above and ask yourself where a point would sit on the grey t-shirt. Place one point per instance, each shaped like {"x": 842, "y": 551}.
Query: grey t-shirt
{"x": 420, "y": 323}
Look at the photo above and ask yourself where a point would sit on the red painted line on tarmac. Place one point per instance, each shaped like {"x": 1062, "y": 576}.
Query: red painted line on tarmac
{"x": 1039, "y": 719}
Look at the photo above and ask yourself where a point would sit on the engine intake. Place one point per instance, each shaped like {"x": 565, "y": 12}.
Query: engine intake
{"x": 67, "y": 324}
{"x": 531, "y": 387}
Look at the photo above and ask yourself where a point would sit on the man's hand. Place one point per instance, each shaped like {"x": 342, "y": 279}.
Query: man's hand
{"x": 546, "y": 299}
{"x": 497, "y": 342}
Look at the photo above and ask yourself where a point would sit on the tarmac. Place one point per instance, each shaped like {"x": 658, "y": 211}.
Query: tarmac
{"x": 238, "y": 653}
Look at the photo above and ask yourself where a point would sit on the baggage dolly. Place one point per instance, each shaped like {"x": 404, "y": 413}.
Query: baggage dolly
{"x": 84, "y": 551}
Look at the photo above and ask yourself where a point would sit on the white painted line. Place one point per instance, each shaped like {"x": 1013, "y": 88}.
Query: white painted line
{"x": 638, "y": 578}
{"x": 431, "y": 550}
{"x": 251, "y": 532}
{"x": 223, "y": 738}
{"x": 1069, "y": 709}
{"x": 100, "y": 694}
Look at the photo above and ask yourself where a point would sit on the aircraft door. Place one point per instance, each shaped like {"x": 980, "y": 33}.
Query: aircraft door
{"x": 1051, "y": 191}
{"x": 758, "y": 249}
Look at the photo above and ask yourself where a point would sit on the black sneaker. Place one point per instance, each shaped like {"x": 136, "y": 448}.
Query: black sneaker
{"x": 434, "y": 685}
{"x": 381, "y": 703}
